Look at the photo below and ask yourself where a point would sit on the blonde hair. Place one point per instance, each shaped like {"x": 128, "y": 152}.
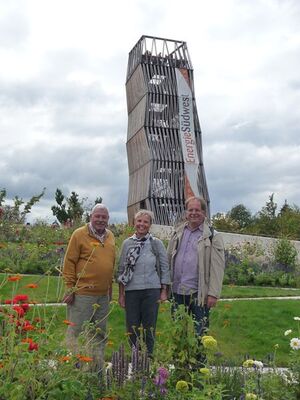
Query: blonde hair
{"x": 144, "y": 212}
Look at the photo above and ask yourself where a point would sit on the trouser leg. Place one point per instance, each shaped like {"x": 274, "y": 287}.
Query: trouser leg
{"x": 200, "y": 313}
{"x": 92, "y": 309}
{"x": 149, "y": 312}
{"x": 133, "y": 314}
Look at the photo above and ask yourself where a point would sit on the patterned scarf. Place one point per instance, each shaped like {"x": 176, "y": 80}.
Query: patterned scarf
{"x": 96, "y": 235}
{"x": 131, "y": 258}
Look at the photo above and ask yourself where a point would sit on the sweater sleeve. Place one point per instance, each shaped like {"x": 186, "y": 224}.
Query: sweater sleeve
{"x": 163, "y": 263}
{"x": 70, "y": 261}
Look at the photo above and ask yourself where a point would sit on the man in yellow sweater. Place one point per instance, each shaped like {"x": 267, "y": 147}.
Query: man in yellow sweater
{"x": 88, "y": 272}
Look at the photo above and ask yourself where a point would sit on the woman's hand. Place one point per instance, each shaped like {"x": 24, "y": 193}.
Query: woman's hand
{"x": 163, "y": 294}
{"x": 122, "y": 300}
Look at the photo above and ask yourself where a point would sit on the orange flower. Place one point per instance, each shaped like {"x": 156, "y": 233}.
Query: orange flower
{"x": 27, "y": 340}
{"x": 67, "y": 322}
{"x": 65, "y": 359}
{"x": 1, "y": 365}
{"x": 14, "y": 278}
{"x": 31, "y": 286}
{"x": 84, "y": 358}
{"x": 28, "y": 327}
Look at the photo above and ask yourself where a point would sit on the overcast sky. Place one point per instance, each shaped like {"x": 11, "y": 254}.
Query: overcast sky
{"x": 63, "y": 114}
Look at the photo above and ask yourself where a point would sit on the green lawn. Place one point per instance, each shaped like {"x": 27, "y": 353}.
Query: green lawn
{"x": 50, "y": 289}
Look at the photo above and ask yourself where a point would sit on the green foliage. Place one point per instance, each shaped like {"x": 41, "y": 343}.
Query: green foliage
{"x": 241, "y": 215}
{"x": 267, "y": 222}
{"x": 15, "y": 214}
{"x": 285, "y": 254}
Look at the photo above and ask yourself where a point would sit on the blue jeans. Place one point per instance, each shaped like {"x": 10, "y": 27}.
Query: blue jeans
{"x": 200, "y": 314}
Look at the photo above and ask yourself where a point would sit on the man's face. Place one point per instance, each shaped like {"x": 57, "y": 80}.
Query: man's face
{"x": 194, "y": 214}
{"x": 99, "y": 219}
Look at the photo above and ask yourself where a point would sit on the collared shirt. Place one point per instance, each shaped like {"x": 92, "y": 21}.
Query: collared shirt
{"x": 185, "y": 279}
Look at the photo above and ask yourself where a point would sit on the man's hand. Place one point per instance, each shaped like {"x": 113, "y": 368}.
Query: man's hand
{"x": 122, "y": 300}
{"x": 211, "y": 301}
{"x": 69, "y": 298}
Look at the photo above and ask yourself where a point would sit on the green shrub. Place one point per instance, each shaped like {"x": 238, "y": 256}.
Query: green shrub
{"x": 285, "y": 254}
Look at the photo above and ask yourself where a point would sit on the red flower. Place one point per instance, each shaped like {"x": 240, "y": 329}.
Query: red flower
{"x": 8, "y": 302}
{"x": 20, "y": 298}
{"x": 33, "y": 346}
{"x": 25, "y": 307}
{"x": 28, "y": 327}
{"x": 14, "y": 278}
{"x": 19, "y": 310}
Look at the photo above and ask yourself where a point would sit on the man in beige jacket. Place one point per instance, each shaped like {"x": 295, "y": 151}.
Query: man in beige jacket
{"x": 197, "y": 261}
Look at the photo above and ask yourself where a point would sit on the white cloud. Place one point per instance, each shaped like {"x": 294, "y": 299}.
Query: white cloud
{"x": 63, "y": 115}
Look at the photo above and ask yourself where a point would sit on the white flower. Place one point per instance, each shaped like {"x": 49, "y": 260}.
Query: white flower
{"x": 297, "y": 318}
{"x": 286, "y": 333}
{"x": 258, "y": 364}
{"x": 295, "y": 343}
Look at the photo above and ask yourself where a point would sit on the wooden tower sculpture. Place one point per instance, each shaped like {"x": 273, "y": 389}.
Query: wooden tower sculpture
{"x": 164, "y": 146}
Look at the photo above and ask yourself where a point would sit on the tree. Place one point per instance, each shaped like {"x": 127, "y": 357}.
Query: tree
{"x": 269, "y": 210}
{"x": 71, "y": 208}
{"x": 241, "y": 215}
{"x": 14, "y": 213}
{"x": 60, "y": 211}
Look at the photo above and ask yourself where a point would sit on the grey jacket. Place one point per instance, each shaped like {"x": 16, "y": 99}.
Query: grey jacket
{"x": 211, "y": 261}
{"x": 145, "y": 274}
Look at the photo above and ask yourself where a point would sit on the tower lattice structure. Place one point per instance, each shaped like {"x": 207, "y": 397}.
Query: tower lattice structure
{"x": 164, "y": 146}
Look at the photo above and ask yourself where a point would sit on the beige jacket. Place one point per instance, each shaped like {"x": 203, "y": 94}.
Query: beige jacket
{"x": 211, "y": 261}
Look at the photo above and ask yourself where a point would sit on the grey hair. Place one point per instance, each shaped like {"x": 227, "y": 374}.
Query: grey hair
{"x": 99, "y": 206}
{"x": 144, "y": 212}
{"x": 200, "y": 200}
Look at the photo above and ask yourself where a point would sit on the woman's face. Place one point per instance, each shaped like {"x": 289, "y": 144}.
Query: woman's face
{"x": 142, "y": 225}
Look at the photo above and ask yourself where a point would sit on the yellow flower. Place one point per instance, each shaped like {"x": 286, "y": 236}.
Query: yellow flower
{"x": 95, "y": 244}
{"x": 109, "y": 343}
{"x": 209, "y": 342}
{"x": 248, "y": 363}
{"x": 251, "y": 396}
{"x": 182, "y": 386}
{"x": 205, "y": 372}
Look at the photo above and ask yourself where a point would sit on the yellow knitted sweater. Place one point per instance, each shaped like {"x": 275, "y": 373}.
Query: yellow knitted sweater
{"x": 88, "y": 264}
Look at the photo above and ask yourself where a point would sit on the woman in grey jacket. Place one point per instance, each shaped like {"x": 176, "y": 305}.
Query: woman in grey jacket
{"x": 143, "y": 278}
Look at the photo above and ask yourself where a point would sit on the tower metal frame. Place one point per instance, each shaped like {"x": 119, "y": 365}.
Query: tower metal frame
{"x": 164, "y": 146}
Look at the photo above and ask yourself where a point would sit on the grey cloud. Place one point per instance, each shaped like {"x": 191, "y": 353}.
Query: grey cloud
{"x": 86, "y": 166}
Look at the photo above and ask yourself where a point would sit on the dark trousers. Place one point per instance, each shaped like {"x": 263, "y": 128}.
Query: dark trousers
{"x": 200, "y": 314}
{"x": 141, "y": 308}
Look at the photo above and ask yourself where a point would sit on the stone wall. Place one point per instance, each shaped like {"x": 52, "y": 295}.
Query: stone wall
{"x": 230, "y": 239}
